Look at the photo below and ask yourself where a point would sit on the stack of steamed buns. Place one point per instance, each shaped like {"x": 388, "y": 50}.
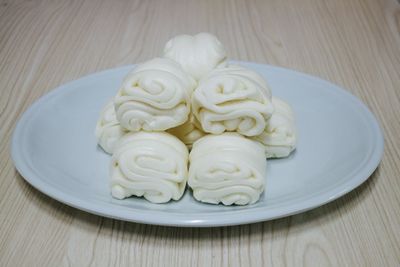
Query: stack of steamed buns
{"x": 192, "y": 99}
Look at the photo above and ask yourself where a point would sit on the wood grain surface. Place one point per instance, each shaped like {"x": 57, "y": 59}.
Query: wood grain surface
{"x": 353, "y": 43}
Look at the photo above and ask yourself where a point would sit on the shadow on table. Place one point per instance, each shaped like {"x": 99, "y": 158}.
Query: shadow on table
{"x": 327, "y": 213}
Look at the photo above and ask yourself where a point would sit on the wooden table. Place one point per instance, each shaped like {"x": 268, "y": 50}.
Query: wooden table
{"x": 353, "y": 43}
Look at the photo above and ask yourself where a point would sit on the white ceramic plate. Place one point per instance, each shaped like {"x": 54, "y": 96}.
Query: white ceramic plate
{"x": 340, "y": 145}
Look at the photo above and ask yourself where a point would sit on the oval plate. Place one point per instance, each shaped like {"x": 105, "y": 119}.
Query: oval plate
{"x": 340, "y": 145}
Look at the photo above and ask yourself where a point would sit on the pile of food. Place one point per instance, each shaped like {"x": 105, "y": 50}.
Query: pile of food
{"x": 192, "y": 99}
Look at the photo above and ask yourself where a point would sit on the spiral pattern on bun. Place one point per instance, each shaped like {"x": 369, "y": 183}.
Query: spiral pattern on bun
{"x": 155, "y": 96}
{"x": 228, "y": 169}
{"x": 232, "y": 99}
{"x": 149, "y": 164}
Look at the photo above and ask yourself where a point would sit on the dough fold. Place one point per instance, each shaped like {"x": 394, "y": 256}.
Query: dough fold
{"x": 155, "y": 96}
{"x": 280, "y": 135}
{"x": 232, "y": 99}
{"x": 149, "y": 164}
{"x": 227, "y": 168}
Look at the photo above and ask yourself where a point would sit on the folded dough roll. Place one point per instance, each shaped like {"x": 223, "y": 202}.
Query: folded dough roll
{"x": 232, "y": 99}
{"x": 108, "y": 130}
{"x": 189, "y": 132}
{"x": 155, "y": 96}
{"x": 280, "y": 135}
{"x": 227, "y": 168}
{"x": 198, "y": 54}
{"x": 149, "y": 164}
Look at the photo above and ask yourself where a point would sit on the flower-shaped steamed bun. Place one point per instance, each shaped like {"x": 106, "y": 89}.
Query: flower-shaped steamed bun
{"x": 232, "y": 99}
{"x": 149, "y": 164}
{"x": 227, "y": 168}
{"x": 198, "y": 54}
{"x": 155, "y": 96}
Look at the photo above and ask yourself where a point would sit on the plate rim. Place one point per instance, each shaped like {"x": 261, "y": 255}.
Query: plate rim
{"x": 234, "y": 217}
